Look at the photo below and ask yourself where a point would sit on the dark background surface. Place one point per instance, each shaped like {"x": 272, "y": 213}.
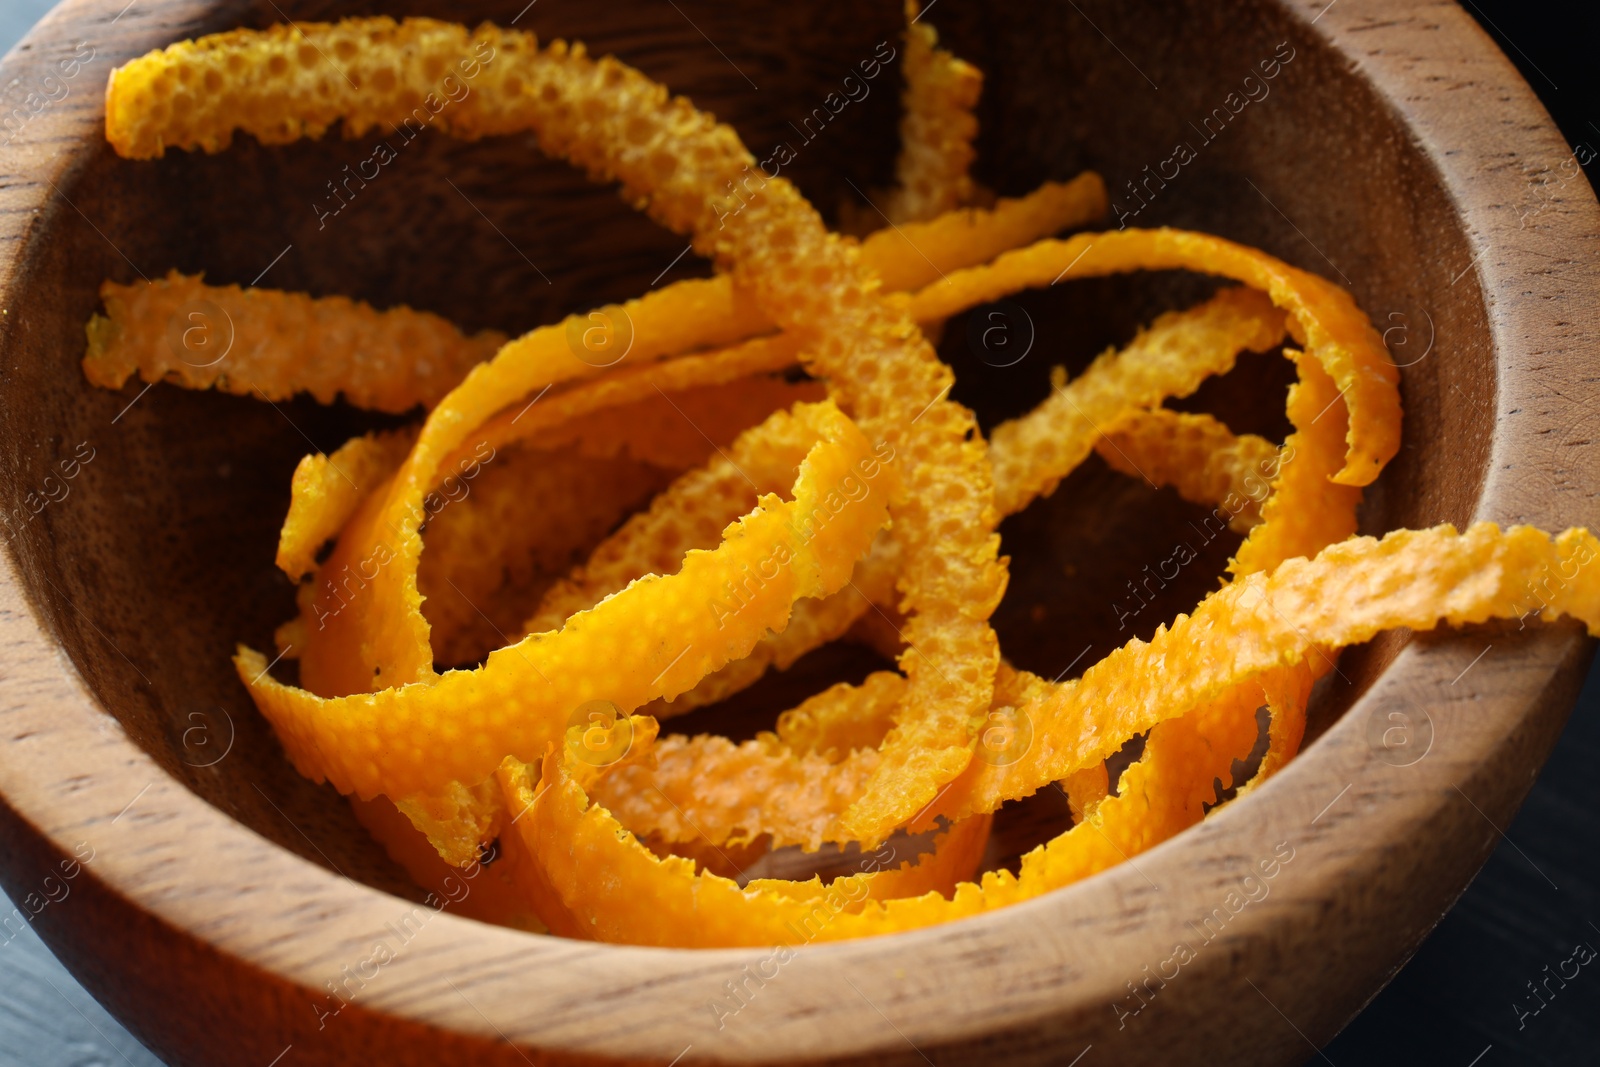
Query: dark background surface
{"x": 1464, "y": 1000}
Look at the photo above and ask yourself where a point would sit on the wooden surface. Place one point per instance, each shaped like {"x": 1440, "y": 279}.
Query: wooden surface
{"x": 1399, "y": 186}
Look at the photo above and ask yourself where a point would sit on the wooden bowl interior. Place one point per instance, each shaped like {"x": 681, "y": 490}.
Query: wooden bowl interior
{"x": 160, "y": 557}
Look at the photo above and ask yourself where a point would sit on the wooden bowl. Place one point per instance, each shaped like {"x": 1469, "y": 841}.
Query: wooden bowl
{"x": 209, "y": 896}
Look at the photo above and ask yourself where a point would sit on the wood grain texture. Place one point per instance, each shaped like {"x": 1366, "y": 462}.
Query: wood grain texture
{"x": 1394, "y": 151}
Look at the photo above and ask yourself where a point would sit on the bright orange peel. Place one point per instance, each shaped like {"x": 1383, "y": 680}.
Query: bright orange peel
{"x": 261, "y": 341}
{"x": 720, "y": 577}
{"x": 415, "y": 741}
{"x": 1321, "y": 316}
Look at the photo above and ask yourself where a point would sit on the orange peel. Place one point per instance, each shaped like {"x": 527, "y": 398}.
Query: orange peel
{"x": 698, "y": 788}
{"x": 278, "y": 343}
{"x": 327, "y": 489}
{"x": 422, "y": 744}
{"x": 1307, "y": 508}
{"x": 274, "y": 344}
{"x": 1198, "y": 342}
{"x": 937, "y": 126}
{"x": 1029, "y": 455}
{"x": 1199, "y": 457}
{"x": 491, "y": 893}
{"x": 1349, "y": 593}
{"x": 702, "y": 910}
{"x": 681, "y": 429}
{"x": 844, "y": 717}
{"x": 363, "y": 613}
{"x": 857, "y": 762}
{"x": 688, "y": 515}
{"x": 1170, "y": 358}
{"x": 498, "y": 537}
{"x": 916, "y": 254}
{"x": 1322, "y": 317}
{"x": 617, "y": 124}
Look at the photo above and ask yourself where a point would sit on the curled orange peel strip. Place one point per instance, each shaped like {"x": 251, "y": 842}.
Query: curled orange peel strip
{"x": 360, "y": 639}
{"x": 1197, "y": 456}
{"x": 1303, "y": 513}
{"x": 937, "y": 126}
{"x": 814, "y": 623}
{"x": 1349, "y": 593}
{"x": 1307, "y": 509}
{"x": 916, "y": 254}
{"x": 682, "y": 429}
{"x": 327, "y": 489}
{"x": 407, "y": 647}
{"x": 1163, "y": 793}
{"x": 364, "y": 613}
{"x": 615, "y": 123}
{"x": 886, "y": 375}
{"x": 686, "y": 908}
{"x": 1029, "y": 455}
{"x": 498, "y": 542}
{"x": 699, "y": 788}
{"x": 901, "y": 866}
{"x": 612, "y": 121}
{"x": 689, "y": 514}
{"x": 954, "y": 856}
{"x": 650, "y": 432}
{"x": 793, "y": 785}
{"x": 844, "y": 717}
{"x": 1287, "y": 694}
{"x": 196, "y": 94}
{"x": 1321, "y": 316}
{"x": 1085, "y": 790}
{"x": 1359, "y": 409}
{"x": 415, "y": 741}
{"x": 501, "y": 532}
{"x": 957, "y": 238}
{"x": 277, "y": 343}
{"x": 1170, "y": 358}
{"x": 730, "y": 861}
{"x": 489, "y": 893}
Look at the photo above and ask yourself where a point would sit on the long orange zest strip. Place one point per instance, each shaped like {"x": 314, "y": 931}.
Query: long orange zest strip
{"x": 1171, "y": 358}
{"x": 1258, "y": 624}
{"x": 1322, "y": 317}
{"x": 1197, "y": 456}
{"x": 415, "y": 741}
{"x": 1029, "y": 455}
{"x": 612, "y": 121}
{"x": 275, "y": 344}
{"x": 937, "y": 126}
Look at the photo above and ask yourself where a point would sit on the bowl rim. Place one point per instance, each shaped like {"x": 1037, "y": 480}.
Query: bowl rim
{"x": 1054, "y": 958}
